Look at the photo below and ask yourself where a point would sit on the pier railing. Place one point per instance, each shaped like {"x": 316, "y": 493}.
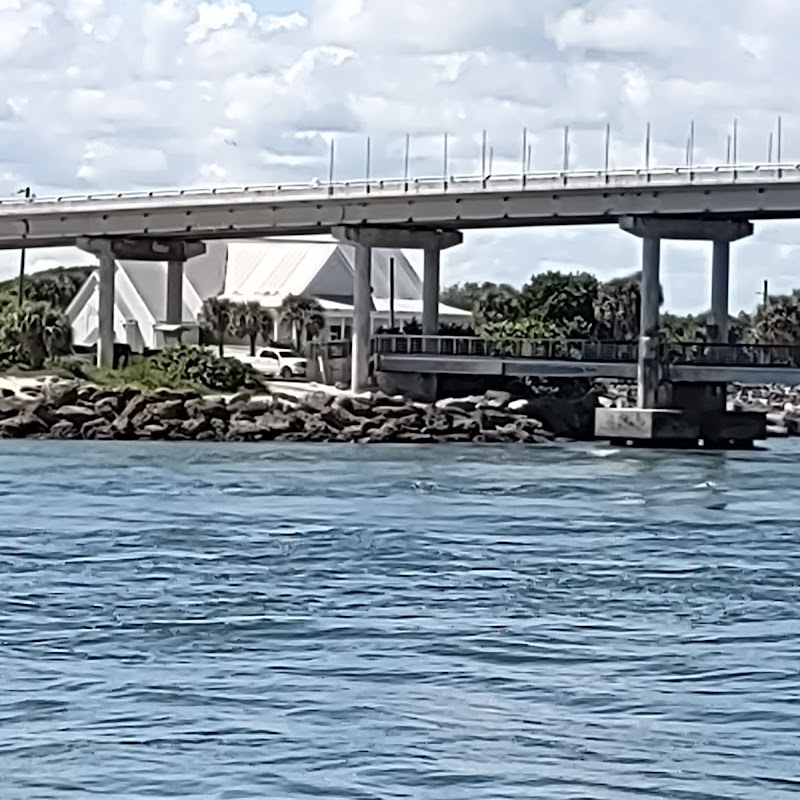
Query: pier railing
{"x": 698, "y": 353}
{"x": 477, "y": 347}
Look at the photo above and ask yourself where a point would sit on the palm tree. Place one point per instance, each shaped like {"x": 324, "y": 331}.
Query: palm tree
{"x": 216, "y": 317}
{"x": 40, "y": 332}
{"x": 250, "y": 320}
{"x": 305, "y": 317}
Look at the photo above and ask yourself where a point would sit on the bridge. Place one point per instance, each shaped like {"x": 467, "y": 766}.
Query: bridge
{"x": 715, "y": 204}
{"x": 754, "y": 192}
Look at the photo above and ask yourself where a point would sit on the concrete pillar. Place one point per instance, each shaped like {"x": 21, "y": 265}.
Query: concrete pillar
{"x": 648, "y": 366}
{"x": 174, "y": 292}
{"x": 430, "y": 292}
{"x": 105, "y": 310}
{"x": 720, "y": 276}
{"x": 362, "y": 313}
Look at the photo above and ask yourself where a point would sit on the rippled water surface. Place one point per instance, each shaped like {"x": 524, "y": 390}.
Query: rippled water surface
{"x": 398, "y": 622}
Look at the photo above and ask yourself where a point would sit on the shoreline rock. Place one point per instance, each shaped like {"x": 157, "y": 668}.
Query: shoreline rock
{"x": 68, "y": 410}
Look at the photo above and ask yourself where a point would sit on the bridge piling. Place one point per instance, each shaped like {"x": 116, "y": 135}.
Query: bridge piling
{"x": 105, "y": 307}
{"x": 430, "y": 292}
{"x": 362, "y": 317}
{"x": 720, "y": 279}
{"x": 648, "y": 367}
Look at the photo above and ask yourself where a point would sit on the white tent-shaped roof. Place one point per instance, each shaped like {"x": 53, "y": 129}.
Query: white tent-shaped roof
{"x": 323, "y": 268}
{"x": 265, "y": 271}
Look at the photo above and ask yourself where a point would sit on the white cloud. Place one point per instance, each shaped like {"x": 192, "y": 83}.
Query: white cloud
{"x": 116, "y": 94}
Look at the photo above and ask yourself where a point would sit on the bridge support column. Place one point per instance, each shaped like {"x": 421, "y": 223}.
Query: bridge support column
{"x": 430, "y": 292}
{"x": 687, "y": 415}
{"x": 105, "y": 307}
{"x": 108, "y": 251}
{"x": 362, "y": 318}
{"x": 720, "y": 277}
{"x": 648, "y": 368}
{"x": 365, "y": 239}
{"x": 174, "y": 292}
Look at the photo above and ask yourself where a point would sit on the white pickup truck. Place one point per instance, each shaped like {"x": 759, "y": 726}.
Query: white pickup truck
{"x": 276, "y": 362}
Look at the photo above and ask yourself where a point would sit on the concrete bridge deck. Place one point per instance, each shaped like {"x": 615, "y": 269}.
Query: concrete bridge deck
{"x": 746, "y": 192}
{"x": 689, "y": 362}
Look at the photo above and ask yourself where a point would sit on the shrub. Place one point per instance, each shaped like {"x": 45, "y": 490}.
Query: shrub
{"x": 200, "y": 367}
{"x": 33, "y": 333}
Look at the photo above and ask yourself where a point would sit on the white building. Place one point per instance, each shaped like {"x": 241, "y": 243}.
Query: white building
{"x": 266, "y": 271}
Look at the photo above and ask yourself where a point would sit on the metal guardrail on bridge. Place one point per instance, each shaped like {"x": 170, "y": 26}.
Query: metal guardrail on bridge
{"x": 455, "y": 184}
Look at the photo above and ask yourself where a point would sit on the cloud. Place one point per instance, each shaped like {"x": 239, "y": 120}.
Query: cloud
{"x": 116, "y": 94}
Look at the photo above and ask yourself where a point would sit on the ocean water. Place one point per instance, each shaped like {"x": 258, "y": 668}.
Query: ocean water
{"x": 398, "y": 622}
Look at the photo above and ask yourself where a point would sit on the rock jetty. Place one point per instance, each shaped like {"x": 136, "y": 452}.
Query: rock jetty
{"x": 68, "y": 410}
{"x": 780, "y": 403}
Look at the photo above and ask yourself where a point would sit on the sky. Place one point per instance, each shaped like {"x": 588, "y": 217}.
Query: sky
{"x": 124, "y": 94}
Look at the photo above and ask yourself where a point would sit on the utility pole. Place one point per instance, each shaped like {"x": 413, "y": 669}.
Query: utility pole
{"x": 766, "y": 293}
{"x": 21, "y": 287}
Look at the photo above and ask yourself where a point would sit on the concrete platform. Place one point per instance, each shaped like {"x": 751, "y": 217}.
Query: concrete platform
{"x": 676, "y": 428}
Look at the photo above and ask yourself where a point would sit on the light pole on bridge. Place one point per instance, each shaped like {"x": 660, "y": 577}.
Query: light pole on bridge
{"x": 21, "y": 284}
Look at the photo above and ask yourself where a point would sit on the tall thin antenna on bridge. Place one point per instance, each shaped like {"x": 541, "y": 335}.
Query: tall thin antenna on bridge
{"x": 647, "y": 138}
{"x": 607, "y": 160}
{"x": 779, "y": 146}
{"x": 369, "y": 159}
{"x": 330, "y": 166}
{"x": 735, "y": 141}
{"x": 407, "y": 156}
{"x": 446, "y": 164}
{"x": 566, "y": 148}
{"x": 690, "y": 146}
{"x": 483, "y": 154}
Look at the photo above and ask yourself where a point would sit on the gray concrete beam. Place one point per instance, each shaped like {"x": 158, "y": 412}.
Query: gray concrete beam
{"x": 398, "y": 238}
{"x": 691, "y": 229}
{"x": 144, "y": 249}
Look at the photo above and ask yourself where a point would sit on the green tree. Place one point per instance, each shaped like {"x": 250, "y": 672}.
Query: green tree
{"x": 216, "y": 316}
{"x": 560, "y": 305}
{"x": 37, "y": 331}
{"x": 305, "y": 317}
{"x": 552, "y": 305}
{"x": 468, "y": 295}
{"x": 57, "y": 288}
{"x": 778, "y": 321}
{"x": 250, "y": 320}
{"x": 617, "y": 309}
{"x": 498, "y": 312}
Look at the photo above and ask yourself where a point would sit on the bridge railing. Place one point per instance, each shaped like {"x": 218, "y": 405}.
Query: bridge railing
{"x": 740, "y": 355}
{"x": 661, "y": 176}
{"x": 680, "y": 353}
{"x": 477, "y": 347}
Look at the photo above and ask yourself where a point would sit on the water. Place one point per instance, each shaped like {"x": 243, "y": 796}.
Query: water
{"x": 427, "y": 623}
